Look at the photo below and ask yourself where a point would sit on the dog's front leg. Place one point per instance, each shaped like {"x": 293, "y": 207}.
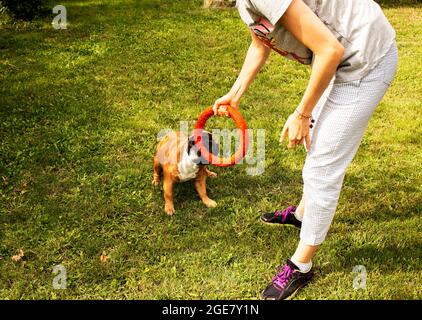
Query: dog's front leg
{"x": 157, "y": 171}
{"x": 168, "y": 194}
{"x": 201, "y": 187}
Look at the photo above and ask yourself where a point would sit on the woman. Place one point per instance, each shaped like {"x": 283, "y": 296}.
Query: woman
{"x": 351, "y": 47}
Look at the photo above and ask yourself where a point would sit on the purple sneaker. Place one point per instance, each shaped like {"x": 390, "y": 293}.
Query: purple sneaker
{"x": 284, "y": 217}
{"x": 287, "y": 281}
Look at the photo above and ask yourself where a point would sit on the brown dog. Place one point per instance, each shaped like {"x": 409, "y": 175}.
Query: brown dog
{"x": 178, "y": 160}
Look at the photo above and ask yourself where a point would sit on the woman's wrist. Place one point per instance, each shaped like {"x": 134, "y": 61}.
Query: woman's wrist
{"x": 237, "y": 93}
{"x": 302, "y": 115}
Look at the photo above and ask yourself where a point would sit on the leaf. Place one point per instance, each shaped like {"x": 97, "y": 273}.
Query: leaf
{"x": 18, "y": 256}
{"x": 103, "y": 257}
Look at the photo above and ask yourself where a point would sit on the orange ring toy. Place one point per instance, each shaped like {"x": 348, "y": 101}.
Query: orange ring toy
{"x": 244, "y": 138}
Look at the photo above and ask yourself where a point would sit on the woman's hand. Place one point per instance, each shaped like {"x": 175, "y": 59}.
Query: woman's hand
{"x": 297, "y": 129}
{"x": 220, "y": 104}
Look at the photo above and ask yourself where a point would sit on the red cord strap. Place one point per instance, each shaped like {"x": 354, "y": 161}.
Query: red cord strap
{"x": 243, "y": 132}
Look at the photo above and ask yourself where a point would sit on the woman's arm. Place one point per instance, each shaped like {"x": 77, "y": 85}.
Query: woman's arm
{"x": 255, "y": 58}
{"x": 309, "y": 29}
{"x": 328, "y": 52}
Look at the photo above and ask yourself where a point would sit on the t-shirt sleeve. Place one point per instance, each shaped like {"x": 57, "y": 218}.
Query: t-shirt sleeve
{"x": 272, "y": 10}
{"x": 247, "y": 12}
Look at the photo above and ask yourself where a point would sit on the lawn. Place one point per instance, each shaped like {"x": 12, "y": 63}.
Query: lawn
{"x": 80, "y": 110}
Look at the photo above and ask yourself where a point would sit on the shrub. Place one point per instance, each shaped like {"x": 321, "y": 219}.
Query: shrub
{"x": 23, "y": 9}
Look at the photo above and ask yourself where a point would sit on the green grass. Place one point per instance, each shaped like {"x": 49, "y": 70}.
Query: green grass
{"x": 79, "y": 113}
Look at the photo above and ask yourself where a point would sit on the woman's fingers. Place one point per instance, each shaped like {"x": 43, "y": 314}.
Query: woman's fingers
{"x": 220, "y": 109}
{"x": 217, "y": 105}
{"x": 214, "y": 108}
{"x": 283, "y": 134}
{"x": 292, "y": 144}
{"x": 307, "y": 143}
{"x": 292, "y": 139}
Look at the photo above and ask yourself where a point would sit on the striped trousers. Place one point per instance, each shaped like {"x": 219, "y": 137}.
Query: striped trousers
{"x": 341, "y": 118}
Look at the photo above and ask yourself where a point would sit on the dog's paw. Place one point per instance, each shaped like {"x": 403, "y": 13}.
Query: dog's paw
{"x": 212, "y": 174}
{"x": 156, "y": 180}
{"x": 210, "y": 203}
{"x": 169, "y": 210}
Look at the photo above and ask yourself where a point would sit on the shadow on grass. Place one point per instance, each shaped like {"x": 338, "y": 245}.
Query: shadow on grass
{"x": 55, "y": 117}
{"x": 388, "y": 197}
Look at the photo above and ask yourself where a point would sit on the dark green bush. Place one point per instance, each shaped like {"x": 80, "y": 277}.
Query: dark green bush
{"x": 23, "y": 9}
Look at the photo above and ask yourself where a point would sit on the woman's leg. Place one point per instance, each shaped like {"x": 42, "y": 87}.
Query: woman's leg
{"x": 337, "y": 135}
{"x": 300, "y": 208}
{"x": 315, "y": 115}
{"x": 338, "y": 132}
{"x": 304, "y": 253}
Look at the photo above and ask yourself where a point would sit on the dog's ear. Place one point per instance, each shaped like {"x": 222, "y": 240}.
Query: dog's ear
{"x": 191, "y": 144}
{"x": 208, "y": 143}
{"x": 211, "y": 145}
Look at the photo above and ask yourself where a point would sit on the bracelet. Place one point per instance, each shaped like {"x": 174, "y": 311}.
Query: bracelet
{"x": 301, "y": 115}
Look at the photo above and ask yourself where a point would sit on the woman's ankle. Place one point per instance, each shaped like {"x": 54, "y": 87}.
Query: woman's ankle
{"x": 299, "y": 212}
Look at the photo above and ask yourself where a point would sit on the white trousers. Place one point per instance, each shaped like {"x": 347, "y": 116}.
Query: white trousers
{"x": 341, "y": 117}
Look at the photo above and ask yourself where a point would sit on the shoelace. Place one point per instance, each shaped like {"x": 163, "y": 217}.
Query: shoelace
{"x": 283, "y": 277}
{"x": 284, "y": 214}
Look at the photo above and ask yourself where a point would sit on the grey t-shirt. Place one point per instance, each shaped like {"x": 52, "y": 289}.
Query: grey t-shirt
{"x": 360, "y": 25}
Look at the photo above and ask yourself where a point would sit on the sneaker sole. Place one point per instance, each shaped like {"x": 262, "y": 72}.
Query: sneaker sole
{"x": 291, "y": 296}
{"x": 295, "y": 293}
{"x": 279, "y": 224}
